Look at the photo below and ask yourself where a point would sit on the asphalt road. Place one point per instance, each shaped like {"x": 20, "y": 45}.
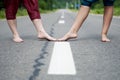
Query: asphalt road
{"x": 94, "y": 60}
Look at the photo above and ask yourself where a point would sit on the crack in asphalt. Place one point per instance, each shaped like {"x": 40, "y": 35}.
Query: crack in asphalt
{"x": 38, "y": 61}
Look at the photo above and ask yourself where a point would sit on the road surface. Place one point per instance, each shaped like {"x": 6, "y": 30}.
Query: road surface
{"x": 90, "y": 58}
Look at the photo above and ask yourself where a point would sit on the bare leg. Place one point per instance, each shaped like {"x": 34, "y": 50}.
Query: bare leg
{"x": 41, "y": 32}
{"x": 81, "y": 16}
{"x": 13, "y": 26}
{"x": 108, "y": 14}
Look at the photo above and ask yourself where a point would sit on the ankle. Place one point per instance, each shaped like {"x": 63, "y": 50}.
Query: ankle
{"x": 72, "y": 32}
{"x": 15, "y": 36}
{"x": 104, "y": 34}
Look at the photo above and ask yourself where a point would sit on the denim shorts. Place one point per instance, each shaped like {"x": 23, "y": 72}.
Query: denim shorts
{"x": 105, "y": 2}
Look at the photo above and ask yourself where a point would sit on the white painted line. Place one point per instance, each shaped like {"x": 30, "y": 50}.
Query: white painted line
{"x": 63, "y": 13}
{"x": 61, "y": 22}
{"x": 62, "y": 62}
{"x": 62, "y": 16}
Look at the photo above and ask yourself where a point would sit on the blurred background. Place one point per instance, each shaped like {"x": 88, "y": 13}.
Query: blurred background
{"x": 46, "y": 6}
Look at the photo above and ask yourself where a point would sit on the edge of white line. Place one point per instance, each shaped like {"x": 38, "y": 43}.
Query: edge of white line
{"x": 62, "y": 62}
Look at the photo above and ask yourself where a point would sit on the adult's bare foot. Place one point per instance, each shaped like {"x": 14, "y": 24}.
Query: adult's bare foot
{"x": 105, "y": 38}
{"x": 17, "y": 39}
{"x": 68, "y": 36}
{"x": 45, "y": 36}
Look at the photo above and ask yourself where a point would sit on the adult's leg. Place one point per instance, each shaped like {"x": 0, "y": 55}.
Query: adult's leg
{"x": 40, "y": 30}
{"x": 11, "y": 10}
{"x": 81, "y": 16}
{"x": 108, "y": 14}
{"x": 13, "y": 26}
{"x": 33, "y": 11}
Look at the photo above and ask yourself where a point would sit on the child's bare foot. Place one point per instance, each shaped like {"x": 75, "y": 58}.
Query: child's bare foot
{"x": 105, "y": 39}
{"x": 68, "y": 36}
{"x": 44, "y": 35}
{"x": 17, "y": 39}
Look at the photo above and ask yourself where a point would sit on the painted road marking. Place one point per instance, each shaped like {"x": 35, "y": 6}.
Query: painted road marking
{"x": 62, "y": 62}
{"x": 61, "y": 22}
{"x": 62, "y": 16}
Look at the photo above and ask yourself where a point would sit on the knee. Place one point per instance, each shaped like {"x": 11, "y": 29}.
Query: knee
{"x": 34, "y": 15}
{"x": 87, "y": 2}
{"x": 10, "y": 14}
{"x": 108, "y": 2}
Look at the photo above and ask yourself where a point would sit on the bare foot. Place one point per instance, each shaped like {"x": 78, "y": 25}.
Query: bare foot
{"x": 105, "y": 39}
{"x": 17, "y": 39}
{"x": 44, "y": 35}
{"x": 68, "y": 36}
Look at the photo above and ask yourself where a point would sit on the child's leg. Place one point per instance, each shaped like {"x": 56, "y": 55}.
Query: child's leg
{"x": 81, "y": 16}
{"x": 108, "y": 14}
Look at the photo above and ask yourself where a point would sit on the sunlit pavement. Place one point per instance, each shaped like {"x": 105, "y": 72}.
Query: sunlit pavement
{"x": 90, "y": 58}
